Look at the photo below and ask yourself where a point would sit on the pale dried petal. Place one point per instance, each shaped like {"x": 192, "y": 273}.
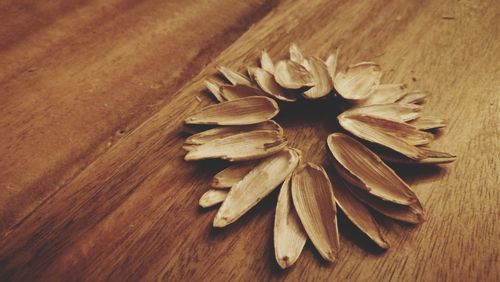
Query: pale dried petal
{"x": 250, "y": 110}
{"x": 428, "y": 123}
{"x": 266, "y": 63}
{"x": 384, "y": 94}
{"x": 292, "y": 75}
{"x": 256, "y": 185}
{"x": 413, "y": 213}
{"x": 295, "y": 54}
{"x": 236, "y": 78}
{"x": 234, "y": 92}
{"x": 289, "y": 235}
{"x": 416, "y": 97}
{"x": 431, "y": 157}
{"x": 321, "y": 79}
{"x": 189, "y": 147}
{"x": 225, "y": 131}
{"x": 331, "y": 63}
{"x": 375, "y": 135}
{"x": 212, "y": 197}
{"x": 357, "y": 81}
{"x": 266, "y": 82}
{"x": 315, "y": 204}
{"x": 395, "y": 111}
{"x": 400, "y": 130}
{"x": 214, "y": 87}
{"x": 368, "y": 170}
{"x": 233, "y": 174}
{"x": 243, "y": 146}
{"x": 357, "y": 212}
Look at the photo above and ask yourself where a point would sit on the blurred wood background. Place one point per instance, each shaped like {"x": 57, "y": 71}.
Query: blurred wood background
{"x": 93, "y": 185}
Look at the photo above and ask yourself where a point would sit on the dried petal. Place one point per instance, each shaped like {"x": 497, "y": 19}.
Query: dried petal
{"x": 416, "y": 97}
{"x": 413, "y": 213}
{"x": 289, "y": 235}
{"x": 368, "y": 171}
{"x": 212, "y": 197}
{"x": 384, "y": 94}
{"x": 295, "y": 54}
{"x": 266, "y": 82}
{"x": 266, "y": 63}
{"x": 250, "y": 110}
{"x": 292, "y": 75}
{"x": 431, "y": 157}
{"x": 225, "y": 131}
{"x": 428, "y": 123}
{"x": 233, "y": 174}
{"x": 239, "y": 147}
{"x": 315, "y": 204}
{"x": 357, "y": 81}
{"x": 357, "y": 212}
{"x": 375, "y": 135}
{"x": 400, "y": 130}
{"x": 234, "y": 77}
{"x": 256, "y": 185}
{"x": 397, "y": 112}
{"x": 321, "y": 79}
{"x": 233, "y": 92}
{"x": 331, "y": 63}
{"x": 214, "y": 87}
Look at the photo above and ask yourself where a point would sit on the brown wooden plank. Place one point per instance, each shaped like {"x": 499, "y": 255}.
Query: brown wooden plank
{"x": 132, "y": 212}
{"x": 77, "y": 76}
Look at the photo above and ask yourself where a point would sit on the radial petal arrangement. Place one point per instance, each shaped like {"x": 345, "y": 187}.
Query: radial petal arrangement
{"x": 383, "y": 125}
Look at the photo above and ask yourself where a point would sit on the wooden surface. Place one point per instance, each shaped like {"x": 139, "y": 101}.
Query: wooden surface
{"x": 92, "y": 181}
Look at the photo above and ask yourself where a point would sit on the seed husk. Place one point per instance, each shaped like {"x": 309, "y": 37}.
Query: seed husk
{"x": 266, "y": 82}
{"x": 331, "y": 63}
{"x": 357, "y": 213}
{"x": 357, "y": 81}
{"x": 368, "y": 133}
{"x": 367, "y": 171}
{"x": 214, "y": 87}
{"x": 428, "y": 123}
{"x": 289, "y": 234}
{"x": 415, "y": 97}
{"x": 257, "y": 184}
{"x": 266, "y": 63}
{"x": 212, "y": 197}
{"x": 400, "y": 130}
{"x": 315, "y": 204}
{"x": 384, "y": 94}
{"x": 395, "y": 111}
{"x": 321, "y": 79}
{"x": 234, "y": 77}
{"x": 431, "y": 157}
{"x": 291, "y": 75}
{"x": 295, "y": 54}
{"x": 225, "y": 131}
{"x": 234, "y": 92}
{"x": 240, "y": 147}
{"x": 244, "y": 111}
{"x": 233, "y": 174}
{"x": 413, "y": 213}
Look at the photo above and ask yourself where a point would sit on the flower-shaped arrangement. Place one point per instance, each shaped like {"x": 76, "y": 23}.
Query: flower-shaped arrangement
{"x": 383, "y": 123}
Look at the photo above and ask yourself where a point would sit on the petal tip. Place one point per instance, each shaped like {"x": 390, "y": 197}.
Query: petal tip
{"x": 220, "y": 221}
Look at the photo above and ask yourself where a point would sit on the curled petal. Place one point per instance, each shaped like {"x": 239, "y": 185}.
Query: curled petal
{"x": 357, "y": 81}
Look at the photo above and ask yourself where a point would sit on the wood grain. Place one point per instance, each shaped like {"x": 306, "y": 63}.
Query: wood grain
{"x": 93, "y": 94}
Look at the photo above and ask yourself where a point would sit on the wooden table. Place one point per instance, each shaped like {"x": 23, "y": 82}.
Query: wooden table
{"x": 93, "y": 185}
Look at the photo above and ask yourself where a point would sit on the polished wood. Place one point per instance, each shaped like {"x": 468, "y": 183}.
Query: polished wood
{"x": 93, "y": 185}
